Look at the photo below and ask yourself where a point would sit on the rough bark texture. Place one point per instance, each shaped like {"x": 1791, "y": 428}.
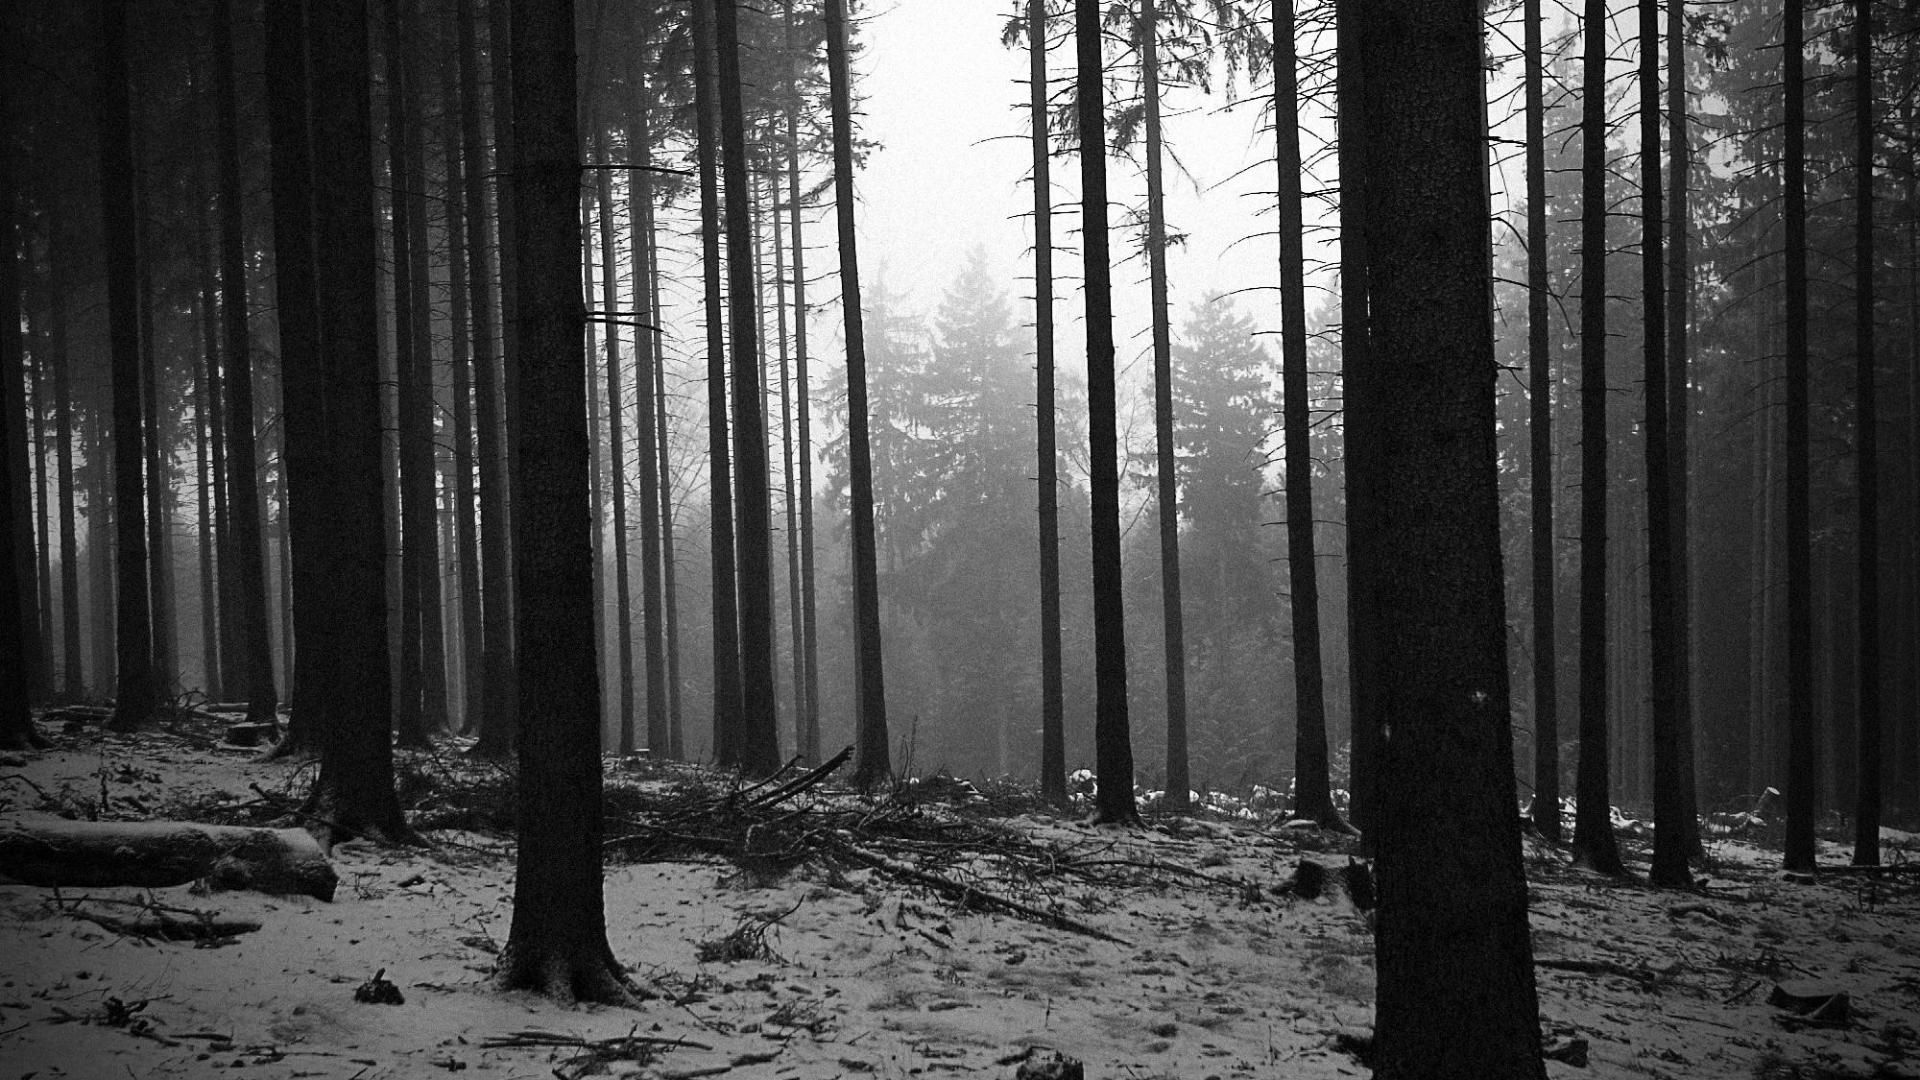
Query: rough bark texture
{"x": 871, "y": 759}
{"x": 1112, "y": 735}
{"x": 1456, "y": 992}
{"x": 16, "y": 723}
{"x": 1803, "y": 769}
{"x": 1053, "y": 704}
{"x": 1866, "y": 843}
{"x": 56, "y": 853}
{"x": 1546, "y": 652}
{"x": 1593, "y": 838}
{"x": 137, "y": 694}
{"x": 1312, "y": 788}
{"x": 557, "y": 944}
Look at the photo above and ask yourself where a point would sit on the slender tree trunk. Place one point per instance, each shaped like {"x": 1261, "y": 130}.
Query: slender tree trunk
{"x": 596, "y": 470}
{"x": 1363, "y": 656}
{"x": 1113, "y": 739}
{"x": 646, "y": 357}
{"x": 622, "y": 586}
{"x": 42, "y": 508}
{"x": 1053, "y": 709}
{"x": 1671, "y": 835}
{"x": 759, "y": 735}
{"x": 676, "y": 735}
{"x": 489, "y": 323}
{"x": 1803, "y": 767}
{"x": 466, "y": 532}
{"x": 1546, "y": 652}
{"x": 558, "y": 941}
{"x": 1456, "y": 992}
{"x": 798, "y": 657}
{"x": 1680, "y": 409}
{"x": 137, "y": 693}
{"x": 334, "y": 438}
{"x": 1313, "y": 794}
{"x": 100, "y": 543}
{"x": 227, "y": 647}
{"x": 156, "y": 483}
{"x": 73, "y": 671}
{"x": 1593, "y": 839}
{"x": 809, "y": 706}
{"x": 243, "y": 496}
{"x": 1166, "y": 473}
{"x": 727, "y": 703}
{"x": 1866, "y": 842}
{"x": 420, "y": 472}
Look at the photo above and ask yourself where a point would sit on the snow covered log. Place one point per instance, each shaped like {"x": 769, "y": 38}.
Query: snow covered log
{"x": 91, "y": 854}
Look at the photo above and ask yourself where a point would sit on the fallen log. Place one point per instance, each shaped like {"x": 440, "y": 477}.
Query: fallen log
{"x": 90, "y": 854}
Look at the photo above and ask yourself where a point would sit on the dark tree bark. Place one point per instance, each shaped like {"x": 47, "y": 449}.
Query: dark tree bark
{"x": 204, "y": 479}
{"x": 466, "y": 531}
{"x": 73, "y": 669}
{"x": 871, "y": 759}
{"x": 727, "y": 706}
{"x": 42, "y": 516}
{"x": 1680, "y": 409}
{"x": 1664, "y": 641}
{"x": 1593, "y": 839}
{"x": 809, "y": 705}
{"x": 248, "y": 549}
{"x": 1112, "y": 735}
{"x": 557, "y": 945}
{"x": 1866, "y": 833}
{"x": 1362, "y": 616}
{"x": 617, "y": 490}
{"x": 646, "y": 420}
{"x": 1166, "y": 471}
{"x": 1803, "y": 767}
{"x": 676, "y": 735}
{"x": 793, "y": 496}
{"x": 1546, "y": 653}
{"x": 16, "y": 722}
{"x": 137, "y": 694}
{"x": 496, "y": 584}
{"x": 1053, "y": 707}
{"x": 1456, "y": 992}
{"x": 759, "y": 736}
{"x": 166, "y": 673}
{"x": 1313, "y": 793}
{"x": 334, "y": 468}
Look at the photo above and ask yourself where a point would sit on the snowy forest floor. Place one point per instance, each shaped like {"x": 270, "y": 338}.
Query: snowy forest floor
{"x": 831, "y": 968}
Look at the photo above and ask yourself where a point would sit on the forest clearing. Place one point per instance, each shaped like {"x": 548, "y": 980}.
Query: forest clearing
{"x": 830, "y": 968}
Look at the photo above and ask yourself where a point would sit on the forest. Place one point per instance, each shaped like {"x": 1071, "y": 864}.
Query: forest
{"x": 454, "y": 441}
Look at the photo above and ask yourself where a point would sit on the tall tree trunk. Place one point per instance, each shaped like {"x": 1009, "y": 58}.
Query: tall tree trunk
{"x": 1546, "y": 651}
{"x": 1363, "y": 631}
{"x": 137, "y": 693}
{"x": 596, "y": 468}
{"x": 1803, "y": 767}
{"x": 558, "y": 941}
{"x": 1166, "y": 472}
{"x": 43, "y": 503}
{"x": 1456, "y": 992}
{"x": 16, "y": 722}
{"x": 727, "y": 704}
{"x": 489, "y": 323}
{"x": 1112, "y": 736}
{"x": 334, "y": 439}
{"x": 204, "y": 479}
{"x": 1680, "y": 409}
{"x": 226, "y": 647}
{"x": 1866, "y": 842}
{"x": 676, "y": 735}
{"x": 1313, "y": 794}
{"x": 759, "y": 737}
{"x": 872, "y": 763}
{"x": 100, "y": 543}
{"x": 465, "y": 332}
{"x": 1053, "y": 708}
{"x": 156, "y": 483}
{"x": 409, "y": 721}
{"x": 795, "y": 620}
{"x": 809, "y": 706}
{"x": 243, "y": 494}
{"x": 1593, "y": 839}
{"x": 646, "y": 357}
{"x": 622, "y": 586}
{"x": 1671, "y": 835}
{"x": 73, "y": 671}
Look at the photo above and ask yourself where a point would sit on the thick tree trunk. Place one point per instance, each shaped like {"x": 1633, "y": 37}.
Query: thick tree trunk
{"x": 16, "y": 723}
{"x": 1053, "y": 709}
{"x": 1546, "y": 651}
{"x": 1866, "y": 843}
{"x": 1671, "y": 834}
{"x": 1166, "y": 472}
{"x": 243, "y": 497}
{"x": 872, "y": 763}
{"x": 759, "y": 738}
{"x": 56, "y": 853}
{"x": 1312, "y": 789}
{"x": 1593, "y": 838}
{"x": 558, "y": 941}
{"x": 727, "y": 716}
{"x": 1113, "y": 738}
{"x": 137, "y": 694}
{"x": 334, "y": 440}
{"x": 1456, "y": 986}
{"x": 1803, "y": 766}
